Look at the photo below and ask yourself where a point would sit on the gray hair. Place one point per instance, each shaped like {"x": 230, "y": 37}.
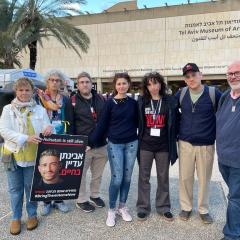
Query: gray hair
{"x": 84, "y": 74}
{"x": 55, "y": 72}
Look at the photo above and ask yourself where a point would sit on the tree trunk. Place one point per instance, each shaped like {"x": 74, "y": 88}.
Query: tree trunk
{"x": 8, "y": 62}
{"x": 33, "y": 54}
{"x": 7, "y": 66}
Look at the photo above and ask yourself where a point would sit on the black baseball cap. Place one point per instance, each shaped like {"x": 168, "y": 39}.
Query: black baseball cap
{"x": 190, "y": 67}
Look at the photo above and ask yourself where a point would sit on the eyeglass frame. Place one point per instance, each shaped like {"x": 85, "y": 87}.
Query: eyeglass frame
{"x": 233, "y": 74}
{"x": 54, "y": 80}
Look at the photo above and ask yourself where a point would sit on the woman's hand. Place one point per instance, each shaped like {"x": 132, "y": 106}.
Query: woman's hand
{"x": 88, "y": 148}
{"x": 47, "y": 131}
{"x": 34, "y": 139}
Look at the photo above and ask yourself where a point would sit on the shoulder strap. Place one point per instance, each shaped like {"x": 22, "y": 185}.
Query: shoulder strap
{"x": 212, "y": 95}
{"x": 73, "y": 100}
{"x": 223, "y": 97}
{"x": 182, "y": 94}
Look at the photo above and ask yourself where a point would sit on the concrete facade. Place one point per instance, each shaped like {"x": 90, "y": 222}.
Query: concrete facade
{"x": 156, "y": 39}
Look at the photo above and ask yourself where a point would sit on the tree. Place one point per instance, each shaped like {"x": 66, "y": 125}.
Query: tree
{"x": 34, "y": 20}
{"x": 8, "y": 35}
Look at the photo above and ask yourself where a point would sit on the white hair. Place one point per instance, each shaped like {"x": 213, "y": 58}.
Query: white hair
{"x": 237, "y": 62}
{"x": 55, "y": 72}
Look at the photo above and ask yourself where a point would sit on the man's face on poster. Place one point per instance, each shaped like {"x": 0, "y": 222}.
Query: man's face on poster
{"x": 49, "y": 167}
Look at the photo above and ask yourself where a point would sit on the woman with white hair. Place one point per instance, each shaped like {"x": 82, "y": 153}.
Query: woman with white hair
{"x": 21, "y": 123}
{"x": 58, "y": 106}
{"x": 60, "y": 112}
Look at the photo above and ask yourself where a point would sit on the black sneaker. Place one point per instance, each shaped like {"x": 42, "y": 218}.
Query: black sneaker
{"x": 86, "y": 207}
{"x": 206, "y": 218}
{"x": 97, "y": 202}
{"x": 167, "y": 216}
{"x": 185, "y": 215}
{"x": 142, "y": 216}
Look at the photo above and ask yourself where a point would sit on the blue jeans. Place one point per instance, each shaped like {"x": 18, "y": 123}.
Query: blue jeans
{"x": 18, "y": 181}
{"x": 121, "y": 158}
{"x": 231, "y": 176}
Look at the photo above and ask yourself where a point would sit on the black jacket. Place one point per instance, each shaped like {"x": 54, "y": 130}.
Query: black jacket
{"x": 83, "y": 120}
{"x": 172, "y": 125}
{"x": 68, "y": 115}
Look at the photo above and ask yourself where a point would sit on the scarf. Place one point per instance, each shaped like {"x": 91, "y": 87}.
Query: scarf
{"x": 17, "y": 107}
{"x": 47, "y": 101}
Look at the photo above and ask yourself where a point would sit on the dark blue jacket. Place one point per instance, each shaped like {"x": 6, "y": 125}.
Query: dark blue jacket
{"x": 198, "y": 127}
{"x": 118, "y": 121}
{"x": 228, "y": 128}
{"x": 172, "y": 125}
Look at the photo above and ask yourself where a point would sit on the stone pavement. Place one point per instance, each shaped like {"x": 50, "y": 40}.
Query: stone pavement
{"x": 78, "y": 225}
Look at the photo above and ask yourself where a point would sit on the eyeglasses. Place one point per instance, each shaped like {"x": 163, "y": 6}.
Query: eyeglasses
{"x": 235, "y": 74}
{"x": 54, "y": 80}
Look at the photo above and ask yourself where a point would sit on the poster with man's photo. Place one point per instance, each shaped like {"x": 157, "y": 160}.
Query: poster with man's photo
{"x": 58, "y": 168}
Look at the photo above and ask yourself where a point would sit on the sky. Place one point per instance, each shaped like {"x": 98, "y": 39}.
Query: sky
{"x": 97, "y": 6}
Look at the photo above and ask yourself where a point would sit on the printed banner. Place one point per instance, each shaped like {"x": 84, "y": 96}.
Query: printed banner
{"x": 58, "y": 168}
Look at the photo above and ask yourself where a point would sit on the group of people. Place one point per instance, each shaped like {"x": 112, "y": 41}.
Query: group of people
{"x": 122, "y": 130}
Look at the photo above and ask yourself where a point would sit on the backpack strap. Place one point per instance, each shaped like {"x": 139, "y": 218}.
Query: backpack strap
{"x": 182, "y": 94}
{"x": 223, "y": 97}
{"x": 212, "y": 95}
{"x": 73, "y": 100}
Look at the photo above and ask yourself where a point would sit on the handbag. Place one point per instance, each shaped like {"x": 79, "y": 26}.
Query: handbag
{"x": 8, "y": 160}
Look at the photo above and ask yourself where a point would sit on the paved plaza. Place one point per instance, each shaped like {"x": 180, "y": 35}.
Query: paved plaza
{"x": 78, "y": 225}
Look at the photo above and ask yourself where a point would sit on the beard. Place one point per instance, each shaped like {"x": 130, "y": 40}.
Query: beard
{"x": 235, "y": 86}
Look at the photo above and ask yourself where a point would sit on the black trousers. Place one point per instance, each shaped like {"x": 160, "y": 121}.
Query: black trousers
{"x": 144, "y": 187}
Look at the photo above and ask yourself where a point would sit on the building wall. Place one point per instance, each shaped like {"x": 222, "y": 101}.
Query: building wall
{"x": 161, "y": 39}
{"x": 123, "y": 6}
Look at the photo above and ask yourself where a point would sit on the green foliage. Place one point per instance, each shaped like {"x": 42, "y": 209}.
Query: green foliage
{"x": 26, "y": 23}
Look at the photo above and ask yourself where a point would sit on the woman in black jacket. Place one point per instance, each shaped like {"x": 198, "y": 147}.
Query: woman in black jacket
{"x": 157, "y": 140}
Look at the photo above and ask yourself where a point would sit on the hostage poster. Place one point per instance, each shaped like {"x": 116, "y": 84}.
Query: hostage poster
{"x": 58, "y": 168}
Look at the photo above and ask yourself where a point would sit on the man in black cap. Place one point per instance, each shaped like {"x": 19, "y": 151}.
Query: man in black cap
{"x": 197, "y": 133}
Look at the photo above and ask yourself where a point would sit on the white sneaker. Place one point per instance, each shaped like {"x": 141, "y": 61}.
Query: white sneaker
{"x": 110, "y": 222}
{"x": 123, "y": 212}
